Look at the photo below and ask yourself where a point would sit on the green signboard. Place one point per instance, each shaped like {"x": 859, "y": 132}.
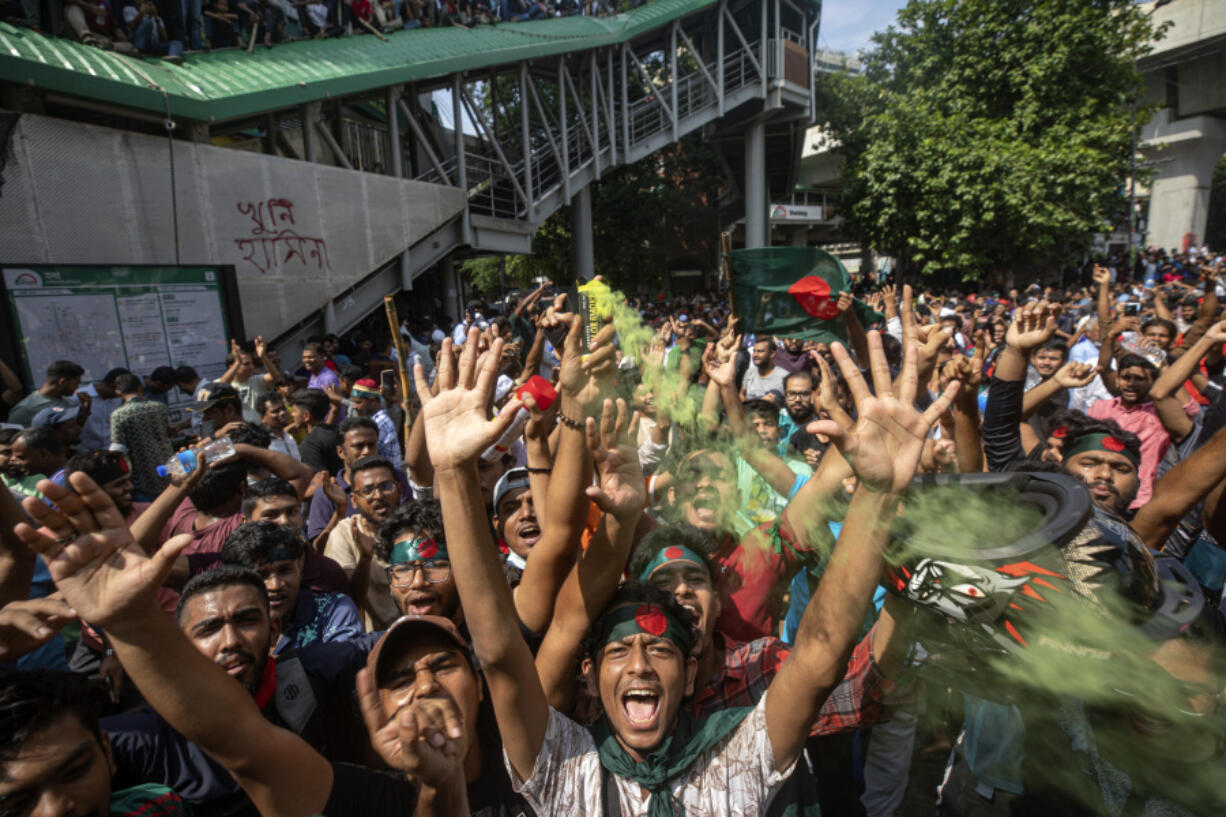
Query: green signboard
{"x": 135, "y": 317}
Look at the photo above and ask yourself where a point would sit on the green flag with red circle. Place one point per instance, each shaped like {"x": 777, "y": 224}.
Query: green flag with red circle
{"x": 793, "y": 292}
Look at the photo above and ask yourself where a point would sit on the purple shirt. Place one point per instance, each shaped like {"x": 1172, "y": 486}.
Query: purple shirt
{"x": 324, "y": 379}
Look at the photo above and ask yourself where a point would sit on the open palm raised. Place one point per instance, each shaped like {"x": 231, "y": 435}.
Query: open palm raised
{"x": 457, "y": 426}
{"x": 884, "y": 445}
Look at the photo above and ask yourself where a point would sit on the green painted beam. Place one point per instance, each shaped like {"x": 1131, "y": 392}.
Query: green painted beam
{"x": 231, "y": 83}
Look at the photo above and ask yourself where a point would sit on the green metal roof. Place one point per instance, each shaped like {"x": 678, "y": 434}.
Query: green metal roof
{"x": 231, "y": 83}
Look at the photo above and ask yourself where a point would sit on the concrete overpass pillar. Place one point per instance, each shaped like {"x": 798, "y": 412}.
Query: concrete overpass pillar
{"x": 581, "y": 234}
{"x": 1179, "y": 191}
{"x": 757, "y": 229}
{"x": 453, "y": 294}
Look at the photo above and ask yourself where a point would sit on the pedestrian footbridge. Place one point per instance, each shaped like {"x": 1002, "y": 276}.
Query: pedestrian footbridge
{"x": 332, "y": 172}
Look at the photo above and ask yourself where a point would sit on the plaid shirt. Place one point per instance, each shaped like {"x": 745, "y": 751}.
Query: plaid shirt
{"x": 749, "y": 667}
{"x": 389, "y": 443}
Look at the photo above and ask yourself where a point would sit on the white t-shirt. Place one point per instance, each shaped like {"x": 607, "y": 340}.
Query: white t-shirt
{"x": 735, "y": 777}
{"x": 249, "y": 392}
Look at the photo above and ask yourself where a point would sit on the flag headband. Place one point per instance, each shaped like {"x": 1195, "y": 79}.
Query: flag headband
{"x": 362, "y": 391}
{"x": 634, "y": 618}
{"x": 417, "y": 549}
{"x": 672, "y": 553}
{"x": 1099, "y": 442}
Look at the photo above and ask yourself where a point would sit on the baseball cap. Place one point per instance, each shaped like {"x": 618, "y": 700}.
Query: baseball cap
{"x": 512, "y": 480}
{"x": 54, "y": 415}
{"x": 402, "y": 632}
{"x": 214, "y": 394}
{"x": 366, "y": 387}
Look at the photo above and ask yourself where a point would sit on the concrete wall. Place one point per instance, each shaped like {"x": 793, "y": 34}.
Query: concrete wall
{"x": 297, "y": 233}
{"x": 1184, "y": 141}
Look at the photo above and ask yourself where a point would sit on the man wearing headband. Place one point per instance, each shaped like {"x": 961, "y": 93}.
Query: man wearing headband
{"x": 412, "y": 545}
{"x": 1107, "y": 460}
{"x": 368, "y": 402}
{"x": 655, "y": 757}
{"x": 278, "y": 555}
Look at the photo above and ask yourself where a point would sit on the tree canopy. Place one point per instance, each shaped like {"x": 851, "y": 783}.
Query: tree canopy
{"x": 990, "y": 135}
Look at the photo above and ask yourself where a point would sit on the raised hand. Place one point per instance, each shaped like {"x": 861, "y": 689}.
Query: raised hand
{"x": 885, "y": 444}
{"x": 421, "y": 739}
{"x": 719, "y": 361}
{"x": 1032, "y": 326}
{"x": 540, "y": 423}
{"x": 260, "y": 347}
{"x": 584, "y": 378}
{"x": 100, "y": 569}
{"x": 28, "y": 624}
{"x": 622, "y": 491}
{"x": 1073, "y": 375}
{"x": 457, "y": 426}
{"x": 1102, "y": 276}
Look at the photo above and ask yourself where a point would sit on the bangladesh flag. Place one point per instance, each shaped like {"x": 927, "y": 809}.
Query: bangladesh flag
{"x": 793, "y": 292}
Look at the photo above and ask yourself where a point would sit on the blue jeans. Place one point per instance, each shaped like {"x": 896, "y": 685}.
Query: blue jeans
{"x": 145, "y": 39}
{"x": 192, "y": 14}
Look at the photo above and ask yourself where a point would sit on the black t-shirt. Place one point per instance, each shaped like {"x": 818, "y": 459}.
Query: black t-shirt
{"x": 318, "y": 450}
{"x": 315, "y": 699}
{"x": 361, "y": 792}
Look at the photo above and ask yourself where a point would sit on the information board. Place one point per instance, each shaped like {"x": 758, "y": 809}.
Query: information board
{"x": 135, "y": 317}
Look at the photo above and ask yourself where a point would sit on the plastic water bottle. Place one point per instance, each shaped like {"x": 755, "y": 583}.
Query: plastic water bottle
{"x": 183, "y": 463}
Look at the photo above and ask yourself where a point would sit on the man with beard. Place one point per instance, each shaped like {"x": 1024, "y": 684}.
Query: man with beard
{"x": 799, "y": 409}
{"x": 638, "y": 651}
{"x": 225, "y": 613}
{"x": 351, "y": 544}
{"x": 1134, "y": 411}
{"x": 278, "y": 555}
{"x": 215, "y": 737}
{"x": 791, "y": 356}
{"x": 763, "y": 376}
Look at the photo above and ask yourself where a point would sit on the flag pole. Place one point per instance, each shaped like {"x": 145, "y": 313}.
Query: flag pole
{"x": 402, "y": 361}
{"x": 725, "y": 249}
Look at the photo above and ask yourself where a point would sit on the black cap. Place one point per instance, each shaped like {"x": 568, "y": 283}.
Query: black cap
{"x": 214, "y": 394}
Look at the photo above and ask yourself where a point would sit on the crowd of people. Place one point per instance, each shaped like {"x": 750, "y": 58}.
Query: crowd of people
{"x": 172, "y": 28}
{"x": 634, "y": 561}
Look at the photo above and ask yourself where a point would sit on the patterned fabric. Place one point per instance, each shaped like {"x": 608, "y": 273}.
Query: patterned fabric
{"x": 389, "y": 443}
{"x": 735, "y": 777}
{"x": 749, "y": 667}
{"x": 147, "y": 800}
{"x": 319, "y": 618}
{"x": 141, "y": 426}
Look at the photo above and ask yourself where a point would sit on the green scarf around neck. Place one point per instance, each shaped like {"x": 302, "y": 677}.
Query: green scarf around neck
{"x": 672, "y": 757}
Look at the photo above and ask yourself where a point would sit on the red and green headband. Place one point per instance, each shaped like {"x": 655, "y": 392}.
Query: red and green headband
{"x": 418, "y": 549}
{"x": 672, "y": 553}
{"x": 1099, "y": 442}
{"x": 631, "y": 619}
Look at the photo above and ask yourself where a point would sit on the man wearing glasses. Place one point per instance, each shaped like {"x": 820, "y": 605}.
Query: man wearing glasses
{"x": 376, "y": 494}
{"x": 411, "y": 542}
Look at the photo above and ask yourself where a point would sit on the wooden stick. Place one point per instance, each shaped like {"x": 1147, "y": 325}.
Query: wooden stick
{"x": 402, "y": 358}
{"x": 725, "y": 249}
{"x": 371, "y": 29}
{"x": 255, "y": 31}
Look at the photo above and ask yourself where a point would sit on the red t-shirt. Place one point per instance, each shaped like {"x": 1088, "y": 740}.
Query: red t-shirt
{"x": 209, "y": 539}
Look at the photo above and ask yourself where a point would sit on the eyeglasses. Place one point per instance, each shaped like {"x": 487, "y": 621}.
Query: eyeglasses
{"x": 436, "y": 571}
{"x": 800, "y": 394}
{"x": 386, "y": 488}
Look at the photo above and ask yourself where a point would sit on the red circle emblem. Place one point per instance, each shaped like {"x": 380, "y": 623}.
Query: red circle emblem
{"x": 673, "y": 552}
{"x": 427, "y": 549}
{"x": 1060, "y": 433}
{"x": 650, "y": 619}
{"x": 1112, "y": 444}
